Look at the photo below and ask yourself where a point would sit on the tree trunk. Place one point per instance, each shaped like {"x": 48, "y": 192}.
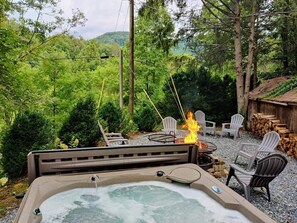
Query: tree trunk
{"x": 131, "y": 81}
{"x": 250, "y": 58}
{"x": 285, "y": 37}
{"x": 255, "y": 61}
{"x": 238, "y": 58}
{"x": 255, "y": 71}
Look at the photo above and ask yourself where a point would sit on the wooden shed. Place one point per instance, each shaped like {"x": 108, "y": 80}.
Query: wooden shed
{"x": 283, "y": 107}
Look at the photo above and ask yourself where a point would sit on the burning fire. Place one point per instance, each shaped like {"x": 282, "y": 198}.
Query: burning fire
{"x": 193, "y": 128}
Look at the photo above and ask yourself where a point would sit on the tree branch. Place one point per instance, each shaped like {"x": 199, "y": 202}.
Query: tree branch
{"x": 211, "y": 12}
{"x": 218, "y": 8}
{"x": 41, "y": 44}
{"x": 227, "y": 6}
{"x": 34, "y": 31}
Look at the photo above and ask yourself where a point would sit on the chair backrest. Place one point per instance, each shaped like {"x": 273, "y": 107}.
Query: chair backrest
{"x": 236, "y": 121}
{"x": 200, "y": 117}
{"x": 103, "y": 134}
{"x": 269, "y": 143}
{"x": 267, "y": 169}
{"x": 169, "y": 123}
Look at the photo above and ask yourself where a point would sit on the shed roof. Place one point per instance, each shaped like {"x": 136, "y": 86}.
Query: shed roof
{"x": 259, "y": 92}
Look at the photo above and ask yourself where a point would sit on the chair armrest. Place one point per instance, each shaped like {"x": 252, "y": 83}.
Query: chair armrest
{"x": 263, "y": 151}
{"x": 118, "y": 140}
{"x": 212, "y": 123}
{"x": 114, "y": 134}
{"x": 115, "y": 137}
{"x": 249, "y": 144}
{"x": 169, "y": 130}
{"x": 225, "y": 124}
{"x": 243, "y": 145}
{"x": 235, "y": 167}
{"x": 239, "y": 126}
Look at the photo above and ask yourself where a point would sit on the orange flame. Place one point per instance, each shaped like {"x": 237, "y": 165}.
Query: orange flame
{"x": 193, "y": 127}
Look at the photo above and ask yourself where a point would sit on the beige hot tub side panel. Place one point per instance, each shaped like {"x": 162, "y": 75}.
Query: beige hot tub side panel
{"x": 46, "y": 186}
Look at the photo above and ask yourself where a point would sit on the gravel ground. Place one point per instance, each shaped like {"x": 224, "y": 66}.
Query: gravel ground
{"x": 283, "y": 189}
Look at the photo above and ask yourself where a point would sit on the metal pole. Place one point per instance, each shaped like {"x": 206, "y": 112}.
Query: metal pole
{"x": 131, "y": 96}
{"x": 121, "y": 79}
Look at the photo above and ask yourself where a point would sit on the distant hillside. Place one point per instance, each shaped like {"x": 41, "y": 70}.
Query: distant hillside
{"x": 122, "y": 37}
{"x": 113, "y": 37}
{"x": 181, "y": 48}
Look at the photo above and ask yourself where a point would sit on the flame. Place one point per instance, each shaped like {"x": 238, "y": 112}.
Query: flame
{"x": 193, "y": 128}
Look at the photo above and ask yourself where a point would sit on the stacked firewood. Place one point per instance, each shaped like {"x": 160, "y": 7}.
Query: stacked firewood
{"x": 263, "y": 123}
{"x": 289, "y": 145}
{"x": 219, "y": 168}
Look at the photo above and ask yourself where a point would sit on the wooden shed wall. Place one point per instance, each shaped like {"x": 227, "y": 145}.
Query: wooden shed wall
{"x": 286, "y": 114}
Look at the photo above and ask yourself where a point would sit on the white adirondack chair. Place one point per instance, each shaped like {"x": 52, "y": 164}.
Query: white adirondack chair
{"x": 169, "y": 125}
{"x": 254, "y": 152}
{"x": 207, "y": 126}
{"x": 112, "y": 138}
{"x": 233, "y": 127}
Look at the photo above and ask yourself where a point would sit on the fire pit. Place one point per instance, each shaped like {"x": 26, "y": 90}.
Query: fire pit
{"x": 191, "y": 137}
{"x": 162, "y": 137}
{"x": 205, "y": 161}
{"x": 204, "y": 148}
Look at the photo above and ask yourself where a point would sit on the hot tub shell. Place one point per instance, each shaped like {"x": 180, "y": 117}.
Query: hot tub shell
{"x": 188, "y": 173}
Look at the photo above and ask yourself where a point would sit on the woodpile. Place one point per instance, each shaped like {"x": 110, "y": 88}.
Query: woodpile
{"x": 219, "y": 168}
{"x": 263, "y": 123}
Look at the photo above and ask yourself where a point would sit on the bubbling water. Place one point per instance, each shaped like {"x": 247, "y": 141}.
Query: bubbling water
{"x": 144, "y": 202}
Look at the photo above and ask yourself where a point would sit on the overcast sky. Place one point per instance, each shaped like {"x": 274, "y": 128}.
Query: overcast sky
{"x": 102, "y": 15}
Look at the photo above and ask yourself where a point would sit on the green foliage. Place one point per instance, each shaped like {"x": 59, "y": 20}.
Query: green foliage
{"x": 29, "y": 131}
{"x": 121, "y": 38}
{"x": 22, "y": 42}
{"x": 112, "y": 115}
{"x": 54, "y": 23}
{"x": 275, "y": 37}
{"x": 4, "y": 7}
{"x": 158, "y": 30}
{"x": 113, "y": 37}
{"x": 8, "y": 82}
{"x": 146, "y": 118}
{"x": 81, "y": 124}
{"x": 197, "y": 89}
{"x": 127, "y": 125}
{"x": 282, "y": 88}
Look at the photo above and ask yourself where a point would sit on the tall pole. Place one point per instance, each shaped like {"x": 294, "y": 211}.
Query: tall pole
{"x": 121, "y": 79}
{"x": 131, "y": 96}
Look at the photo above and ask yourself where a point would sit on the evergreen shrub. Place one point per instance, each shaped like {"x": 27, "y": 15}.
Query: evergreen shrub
{"x": 81, "y": 125}
{"x": 112, "y": 115}
{"x": 146, "y": 118}
{"x": 127, "y": 125}
{"x": 199, "y": 90}
{"x": 29, "y": 131}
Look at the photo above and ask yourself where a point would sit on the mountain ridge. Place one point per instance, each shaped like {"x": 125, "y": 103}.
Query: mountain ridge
{"x": 121, "y": 37}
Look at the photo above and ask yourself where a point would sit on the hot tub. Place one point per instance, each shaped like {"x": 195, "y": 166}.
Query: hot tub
{"x": 190, "y": 175}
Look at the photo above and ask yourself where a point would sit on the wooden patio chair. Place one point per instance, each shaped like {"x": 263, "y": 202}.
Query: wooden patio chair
{"x": 207, "y": 126}
{"x": 267, "y": 169}
{"x": 253, "y": 151}
{"x": 112, "y": 138}
{"x": 233, "y": 127}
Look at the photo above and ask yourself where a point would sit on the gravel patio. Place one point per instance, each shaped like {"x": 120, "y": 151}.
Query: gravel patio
{"x": 283, "y": 189}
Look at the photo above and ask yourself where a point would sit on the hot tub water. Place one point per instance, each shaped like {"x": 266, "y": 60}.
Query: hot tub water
{"x": 144, "y": 202}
